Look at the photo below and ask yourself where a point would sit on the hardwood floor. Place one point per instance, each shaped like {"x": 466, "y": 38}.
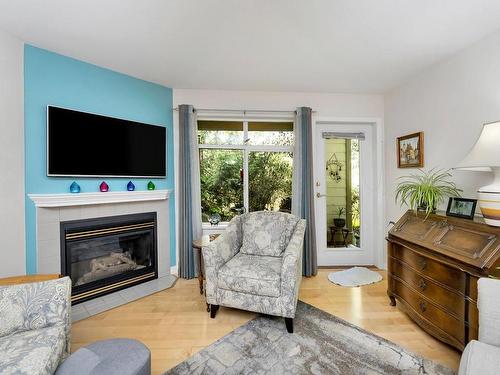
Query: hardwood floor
{"x": 174, "y": 323}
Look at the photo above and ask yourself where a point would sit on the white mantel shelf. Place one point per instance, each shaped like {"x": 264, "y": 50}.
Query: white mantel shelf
{"x": 84, "y": 199}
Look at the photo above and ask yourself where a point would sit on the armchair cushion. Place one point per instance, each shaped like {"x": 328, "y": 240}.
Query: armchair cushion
{"x": 267, "y": 233}
{"x": 253, "y": 274}
{"x": 33, "y": 352}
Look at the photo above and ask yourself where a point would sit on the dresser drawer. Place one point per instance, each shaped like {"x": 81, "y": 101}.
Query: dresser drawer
{"x": 432, "y": 314}
{"x": 449, "y": 276}
{"x": 452, "y": 302}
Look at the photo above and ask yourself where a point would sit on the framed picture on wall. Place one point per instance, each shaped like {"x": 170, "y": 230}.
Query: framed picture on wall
{"x": 461, "y": 207}
{"x": 410, "y": 150}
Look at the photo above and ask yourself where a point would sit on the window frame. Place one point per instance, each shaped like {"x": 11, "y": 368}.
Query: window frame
{"x": 246, "y": 149}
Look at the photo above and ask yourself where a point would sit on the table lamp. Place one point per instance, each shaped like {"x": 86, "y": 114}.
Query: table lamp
{"x": 485, "y": 156}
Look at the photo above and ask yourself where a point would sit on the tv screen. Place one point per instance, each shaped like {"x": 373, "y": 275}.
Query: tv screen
{"x": 89, "y": 145}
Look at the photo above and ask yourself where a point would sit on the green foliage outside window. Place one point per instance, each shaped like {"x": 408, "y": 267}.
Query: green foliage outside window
{"x": 221, "y": 176}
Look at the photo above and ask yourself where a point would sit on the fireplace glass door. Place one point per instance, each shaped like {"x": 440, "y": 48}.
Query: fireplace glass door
{"x": 106, "y": 254}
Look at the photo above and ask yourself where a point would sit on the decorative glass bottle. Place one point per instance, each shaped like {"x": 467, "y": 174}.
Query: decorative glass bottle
{"x": 103, "y": 187}
{"x": 74, "y": 187}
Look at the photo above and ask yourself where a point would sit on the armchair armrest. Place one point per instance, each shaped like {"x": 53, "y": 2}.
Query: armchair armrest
{"x": 488, "y": 304}
{"x": 218, "y": 252}
{"x": 291, "y": 270}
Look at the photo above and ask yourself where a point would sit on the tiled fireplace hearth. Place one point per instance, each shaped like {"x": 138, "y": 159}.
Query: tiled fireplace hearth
{"x": 106, "y": 242}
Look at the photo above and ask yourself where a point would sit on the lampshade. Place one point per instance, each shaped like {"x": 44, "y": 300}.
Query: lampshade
{"x": 485, "y": 156}
{"x": 486, "y": 152}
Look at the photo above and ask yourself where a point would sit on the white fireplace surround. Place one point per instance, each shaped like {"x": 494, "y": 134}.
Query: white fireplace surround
{"x": 83, "y": 199}
{"x": 52, "y": 209}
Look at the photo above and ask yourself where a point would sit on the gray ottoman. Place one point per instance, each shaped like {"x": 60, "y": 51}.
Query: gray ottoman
{"x": 109, "y": 357}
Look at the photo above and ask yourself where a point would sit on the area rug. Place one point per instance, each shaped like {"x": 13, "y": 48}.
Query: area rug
{"x": 355, "y": 276}
{"x": 321, "y": 344}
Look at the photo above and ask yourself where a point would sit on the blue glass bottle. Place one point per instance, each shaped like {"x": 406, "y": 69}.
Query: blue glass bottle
{"x": 130, "y": 186}
{"x": 74, "y": 187}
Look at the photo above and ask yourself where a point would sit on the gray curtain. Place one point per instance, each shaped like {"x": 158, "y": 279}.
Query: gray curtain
{"x": 303, "y": 194}
{"x": 188, "y": 191}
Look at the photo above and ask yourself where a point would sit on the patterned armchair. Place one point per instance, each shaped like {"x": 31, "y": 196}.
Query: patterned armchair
{"x": 34, "y": 326}
{"x": 256, "y": 265}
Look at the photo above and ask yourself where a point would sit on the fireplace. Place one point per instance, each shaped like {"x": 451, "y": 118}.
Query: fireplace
{"x": 107, "y": 254}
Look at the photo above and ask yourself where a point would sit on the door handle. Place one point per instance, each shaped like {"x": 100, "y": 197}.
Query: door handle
{"x": 422, "y": 263}
{"x": 422, "y": 285}
{"x": 318, "y": 195}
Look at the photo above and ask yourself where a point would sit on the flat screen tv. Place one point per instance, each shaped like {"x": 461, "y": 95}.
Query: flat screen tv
{"x": 83, "y": 144}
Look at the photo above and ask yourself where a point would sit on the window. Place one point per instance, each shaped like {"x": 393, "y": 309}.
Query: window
{"x": 245, "y": 166}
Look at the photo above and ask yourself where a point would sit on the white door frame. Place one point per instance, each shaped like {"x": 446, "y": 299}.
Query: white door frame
{"x": 378, "y": 230}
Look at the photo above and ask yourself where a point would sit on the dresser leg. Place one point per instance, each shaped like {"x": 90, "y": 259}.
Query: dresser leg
{"x": 393, "y": 301}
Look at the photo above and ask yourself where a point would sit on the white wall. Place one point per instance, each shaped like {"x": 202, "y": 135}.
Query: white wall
{"x": 449, "y": 101}
{"x": 338, "y": 105}
{"x": 12, "y": 249}
{"x": 325, "y": 105}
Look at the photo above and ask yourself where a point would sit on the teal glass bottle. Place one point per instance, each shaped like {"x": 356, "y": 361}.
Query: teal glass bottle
{"x": 74, "y": 187}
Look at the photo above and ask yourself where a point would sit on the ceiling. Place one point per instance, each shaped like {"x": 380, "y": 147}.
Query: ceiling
{"x": 356, "y": 46}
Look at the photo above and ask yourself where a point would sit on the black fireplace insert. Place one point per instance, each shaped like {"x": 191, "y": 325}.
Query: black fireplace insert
{"x": 106, "y": 254}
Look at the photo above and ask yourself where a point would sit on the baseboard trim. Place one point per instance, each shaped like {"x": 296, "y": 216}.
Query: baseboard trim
{"x": 174, "y": 270}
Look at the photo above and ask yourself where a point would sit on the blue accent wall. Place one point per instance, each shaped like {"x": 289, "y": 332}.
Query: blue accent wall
{"x": 53, "y": 79}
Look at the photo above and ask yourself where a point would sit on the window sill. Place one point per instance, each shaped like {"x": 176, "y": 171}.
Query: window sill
{"x": 211, "y": 229}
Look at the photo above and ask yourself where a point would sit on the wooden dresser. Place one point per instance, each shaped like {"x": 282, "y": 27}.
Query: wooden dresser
{"x": 433, "y": 268}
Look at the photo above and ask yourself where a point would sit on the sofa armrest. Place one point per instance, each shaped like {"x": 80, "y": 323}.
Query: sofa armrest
{"x": 488, "y": 304}
{"x": 291, "y": 270}
{"x": 27, "y": 307}
{"x": 218, "y": 253}
{"x": 479, "y": 359}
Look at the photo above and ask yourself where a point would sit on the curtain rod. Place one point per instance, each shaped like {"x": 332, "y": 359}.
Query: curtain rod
{"x": 240, "y": 110}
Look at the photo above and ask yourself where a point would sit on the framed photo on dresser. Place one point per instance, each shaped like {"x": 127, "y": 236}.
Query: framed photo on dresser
{"x": 461, "y": 207}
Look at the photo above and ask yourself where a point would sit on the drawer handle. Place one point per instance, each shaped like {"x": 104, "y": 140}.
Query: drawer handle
{"x": 443, "y": 224}
{"x": 422, "y": 285}
{"x": 422, "y": 263}
{"x": 423, "y": 306}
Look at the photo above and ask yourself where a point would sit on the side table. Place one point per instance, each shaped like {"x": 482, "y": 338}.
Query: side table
{"x": 345, "y": 234}
{"x": 198, "y": 244}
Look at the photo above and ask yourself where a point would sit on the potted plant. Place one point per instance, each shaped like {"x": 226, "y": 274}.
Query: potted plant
{"x": 424, "y": 191}
{"x": 357, "y": 236}
{"x": 339, "y": 221}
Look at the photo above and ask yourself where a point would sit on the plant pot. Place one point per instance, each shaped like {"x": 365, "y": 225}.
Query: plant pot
{"x": 423, "y": 208}
{"x": 339, "y": 222}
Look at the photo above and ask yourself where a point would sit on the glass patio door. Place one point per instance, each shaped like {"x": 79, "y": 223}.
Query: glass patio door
{"x": 344, "y": 194}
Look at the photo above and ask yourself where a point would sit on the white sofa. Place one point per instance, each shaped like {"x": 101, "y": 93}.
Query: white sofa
{"x": 482, "y": 357}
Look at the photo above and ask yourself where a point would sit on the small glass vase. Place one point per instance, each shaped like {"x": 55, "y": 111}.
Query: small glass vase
{"x": 74, "y": 188}
{"x": 103, "y": 187}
